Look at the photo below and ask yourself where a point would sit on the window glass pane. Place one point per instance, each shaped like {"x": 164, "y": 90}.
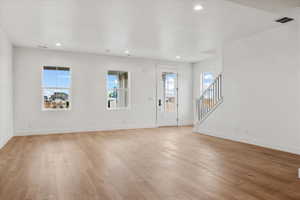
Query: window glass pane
{"x": 56, "y": 98}
{"x": 113, "y": 81}
{"x": 49, "y": 77}
{"x": 117, "y": 89}
{"x": 63, "y": 78}
{"x": 207, "y": 79}
{"x": 56, "y": 77}
{"x": 112, "y": 98}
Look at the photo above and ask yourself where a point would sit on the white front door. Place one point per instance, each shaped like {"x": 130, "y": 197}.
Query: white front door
{"x": 167, "y": 97}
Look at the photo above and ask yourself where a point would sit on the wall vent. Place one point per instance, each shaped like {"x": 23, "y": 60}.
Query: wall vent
{"x": 284, "y": 20}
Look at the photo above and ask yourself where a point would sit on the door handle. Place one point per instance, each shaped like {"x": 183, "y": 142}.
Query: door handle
{"x": 159, "y": 102}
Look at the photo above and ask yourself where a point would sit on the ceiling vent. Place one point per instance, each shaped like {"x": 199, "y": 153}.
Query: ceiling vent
{"x": 284, "y": 20}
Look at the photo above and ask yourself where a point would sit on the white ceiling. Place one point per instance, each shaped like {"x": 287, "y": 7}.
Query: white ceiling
{"x": 270, "y": 5}
{"x": 160, "y": 29}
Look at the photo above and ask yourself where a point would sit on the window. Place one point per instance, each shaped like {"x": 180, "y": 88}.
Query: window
{"x": 207, "y": 80}
{"x": 56, "y": 83}
{"x": 117, "y": 90}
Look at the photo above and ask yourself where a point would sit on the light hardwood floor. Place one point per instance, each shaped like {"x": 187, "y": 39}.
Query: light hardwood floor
{"x": 164, "y": 163}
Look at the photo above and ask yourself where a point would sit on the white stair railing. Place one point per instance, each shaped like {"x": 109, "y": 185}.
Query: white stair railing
{"x": 210, "y": 99}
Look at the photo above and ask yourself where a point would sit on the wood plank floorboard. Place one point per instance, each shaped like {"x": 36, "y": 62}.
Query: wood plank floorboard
{"x": 144, "y": 164}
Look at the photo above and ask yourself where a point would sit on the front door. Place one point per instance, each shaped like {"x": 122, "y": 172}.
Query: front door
{"x": 167, "y": 97}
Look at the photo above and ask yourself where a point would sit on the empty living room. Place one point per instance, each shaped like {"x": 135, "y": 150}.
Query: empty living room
{"x": 149, "y": 99}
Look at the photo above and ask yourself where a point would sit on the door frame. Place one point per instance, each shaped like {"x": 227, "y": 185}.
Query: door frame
{"x": 173, "y": 69}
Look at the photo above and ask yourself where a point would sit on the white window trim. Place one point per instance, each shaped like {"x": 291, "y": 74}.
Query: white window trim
{"x": 128, "y": 107}
{"x": 42, "y": 91}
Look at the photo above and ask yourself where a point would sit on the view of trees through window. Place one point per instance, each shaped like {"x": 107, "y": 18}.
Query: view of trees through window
{"x": 56, "y": 88}
{"x": 117, "y": 89}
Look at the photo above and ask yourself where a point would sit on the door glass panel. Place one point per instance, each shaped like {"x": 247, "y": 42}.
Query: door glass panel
{"x": 170, "y": 93}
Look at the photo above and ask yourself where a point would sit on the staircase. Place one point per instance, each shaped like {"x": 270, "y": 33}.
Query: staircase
{"x": 210, "y": 99}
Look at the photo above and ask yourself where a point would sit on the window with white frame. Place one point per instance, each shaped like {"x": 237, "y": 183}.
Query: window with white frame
{"x": 117, "y": 89}
{"x": 56, "y": 88}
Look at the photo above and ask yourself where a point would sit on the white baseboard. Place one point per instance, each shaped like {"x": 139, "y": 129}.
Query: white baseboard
{"x": 294, "y": 150}
{"x": 28, "y": 132}
{"x": 32, "y": 131}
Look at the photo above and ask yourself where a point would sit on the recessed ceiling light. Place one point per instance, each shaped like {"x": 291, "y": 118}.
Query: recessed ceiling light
{"x": 178, "y": 57}
{"x": 198, "y": 7}
{"x": 127, "y": 52}
{"x": 58, "y": 44}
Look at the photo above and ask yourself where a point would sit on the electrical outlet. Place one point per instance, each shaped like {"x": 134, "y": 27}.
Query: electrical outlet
{"x": 298, "y": 172}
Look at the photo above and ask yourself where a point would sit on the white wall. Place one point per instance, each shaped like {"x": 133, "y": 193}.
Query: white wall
{"x": 6, "y": 90}
{"x": 88, "y": 111}
{"x": 261, "y": 91}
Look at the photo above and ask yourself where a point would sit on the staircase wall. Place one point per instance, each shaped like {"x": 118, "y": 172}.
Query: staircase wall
{"x": 261, "y": 91}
